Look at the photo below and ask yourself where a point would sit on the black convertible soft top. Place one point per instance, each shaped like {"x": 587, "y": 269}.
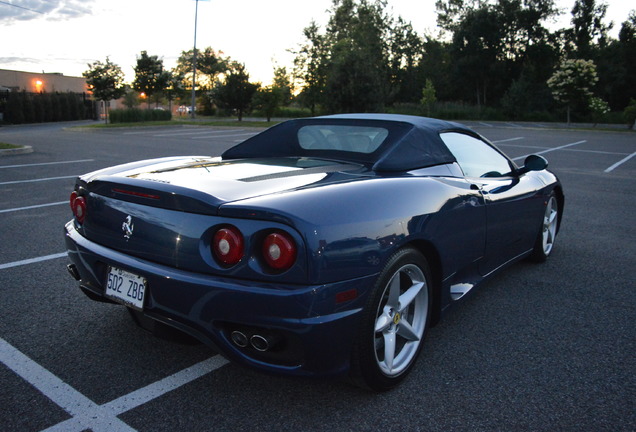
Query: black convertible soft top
{"x": 412, "y": 142}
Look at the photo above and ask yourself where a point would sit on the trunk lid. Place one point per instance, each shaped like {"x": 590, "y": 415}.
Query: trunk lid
{"x": 163, "y": 210}
{"x": 202, "y": 184}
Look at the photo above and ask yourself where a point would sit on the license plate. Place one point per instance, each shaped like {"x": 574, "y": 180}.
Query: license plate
{"x": 125, "y": 287}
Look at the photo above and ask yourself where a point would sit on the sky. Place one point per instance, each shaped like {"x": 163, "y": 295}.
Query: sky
{"x": 64, "y": 36}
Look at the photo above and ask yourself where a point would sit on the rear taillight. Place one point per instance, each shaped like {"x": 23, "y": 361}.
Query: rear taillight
{"x": 227, "y": 245}
{"x": 72, "y": 199}
{"x": 78, "y": 206}
{"x": 279, "y": 250}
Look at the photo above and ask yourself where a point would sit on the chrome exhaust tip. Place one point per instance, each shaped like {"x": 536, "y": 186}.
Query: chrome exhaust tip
{"x": 260, "y": 343}
{"x": 72, "y": 270}
{"x": 239, "y": 338}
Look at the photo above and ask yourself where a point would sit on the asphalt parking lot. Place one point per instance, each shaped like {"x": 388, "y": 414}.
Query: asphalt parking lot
{"x": 539, "y": 347}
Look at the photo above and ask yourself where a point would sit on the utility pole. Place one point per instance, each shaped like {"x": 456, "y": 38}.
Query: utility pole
{"x": 194, "y": 62}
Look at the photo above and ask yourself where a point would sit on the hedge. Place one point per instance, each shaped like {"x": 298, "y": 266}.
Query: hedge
{"x": 23, "y": 107}
{"x": 136, "y": 115}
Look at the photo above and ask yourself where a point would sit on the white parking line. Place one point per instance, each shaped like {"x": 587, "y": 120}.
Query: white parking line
{"x": 86, "y": 413}
{"x": 552, "y": 149}
{"x": 569, "y": 150}
{"x": 72, "y": 401}
{"x": 224, "y": 136}
{"x": 620, "y": 162}
{"x": 509, "y": 139}
{"x": 37, "y": 180}
{"x": 523, "y": 146}
{"x": 32, "y": 260}
{"x": 198, "y": 132}
{"x": 33, "y": 207}
{"x": 46, "y": 163}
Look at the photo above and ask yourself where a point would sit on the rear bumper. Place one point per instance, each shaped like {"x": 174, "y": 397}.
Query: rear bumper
{"x": 313, "y": 333}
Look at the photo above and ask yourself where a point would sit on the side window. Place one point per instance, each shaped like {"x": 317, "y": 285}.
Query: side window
{"x": 475, "y": 157}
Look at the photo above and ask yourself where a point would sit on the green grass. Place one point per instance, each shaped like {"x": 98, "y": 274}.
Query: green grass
{"x": 4, "y": 146}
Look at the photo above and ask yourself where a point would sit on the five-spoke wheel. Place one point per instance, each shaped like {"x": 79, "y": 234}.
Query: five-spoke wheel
{"x": 395, "y": 322}
{"x": 549, "y": 227}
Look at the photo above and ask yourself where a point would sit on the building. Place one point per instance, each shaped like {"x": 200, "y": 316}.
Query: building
{"x": 28, "y": 97}
{"x": 41, "y": 82}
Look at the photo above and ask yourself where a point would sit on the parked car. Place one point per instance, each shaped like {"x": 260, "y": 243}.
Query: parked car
{"x": 320, "y": 247}
{"x": 182, "y": 109}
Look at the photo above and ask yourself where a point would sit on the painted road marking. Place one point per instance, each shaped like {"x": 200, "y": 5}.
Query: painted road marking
{"x": 33, "y": 207}
{"x": 552, "y": 149}
{"x": 569, "y": 150}
{"x": 46, "y": 163}
{"x": 224, "y": 136}
{"x": 198, "y": 132}
{"x": 620, "y": 162}
{"x": 32, "y": 260}
{"x": 86, "y": 413}
{"x": 37, "y": 180}
{"x": 509, "y": 139}
{"x": 69, "y": 399}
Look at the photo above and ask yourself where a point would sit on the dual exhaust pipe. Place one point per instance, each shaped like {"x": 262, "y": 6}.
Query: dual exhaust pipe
{"x": 260, "y": 342}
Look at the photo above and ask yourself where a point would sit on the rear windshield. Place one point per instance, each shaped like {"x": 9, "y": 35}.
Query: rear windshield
{"x": 357, "y": 139}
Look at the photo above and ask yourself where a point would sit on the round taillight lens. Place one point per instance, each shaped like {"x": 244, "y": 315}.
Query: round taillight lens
{"x": 72, "y": 200}
{"x": 228, "y": 245}
{"x": 279, "y": 251}
{"x": 78, "y": 205}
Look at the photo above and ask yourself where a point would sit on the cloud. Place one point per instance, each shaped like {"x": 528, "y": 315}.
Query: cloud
{"x": 5, "y": 60}
{"x": 55, "y": 10}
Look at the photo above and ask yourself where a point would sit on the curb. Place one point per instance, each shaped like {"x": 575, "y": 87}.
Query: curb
{"x": 16, "y": 151}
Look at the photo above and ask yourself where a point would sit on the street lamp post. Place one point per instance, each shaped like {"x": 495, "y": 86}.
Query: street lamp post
{"x": 194, "y": 61}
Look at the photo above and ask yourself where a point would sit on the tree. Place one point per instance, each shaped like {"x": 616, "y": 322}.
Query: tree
{"x": 105, "y": 81}
{"x": 210, "y": 64}
{"x": 283, "y": 84}
{"x": 495, "y": 41}
{"x": 310, "y": 67}
{"x": 357, "y": 68}
{"x": 175, "y": 88}
{"x": 131, "y": 98}
{"x": 587, "y": 21}
{"x": 476, "y": 52}
{"x": 572, "y": 83}
{"x": 150, "y": 78}
{"x": 599, "y": 108}
{"x": 362, "y": 62}
{"x": 406, "y": 49}
{"x": 616, "y": 65}
{"x": 629, "y": 114}
{"x": 428, "y": 96}
{"x": 268, "y": 99}
{"x": 436, "y": 65}
{"x": 236, "y": 92}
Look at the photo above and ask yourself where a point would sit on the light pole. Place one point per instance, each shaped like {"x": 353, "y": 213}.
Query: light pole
{"x": 194, "y": 61}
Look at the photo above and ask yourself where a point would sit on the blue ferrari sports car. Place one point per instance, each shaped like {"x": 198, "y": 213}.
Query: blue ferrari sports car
{"x": 320, "y": 247}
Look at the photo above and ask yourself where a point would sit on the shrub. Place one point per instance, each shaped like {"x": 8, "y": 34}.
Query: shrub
{"x": 136, "y": 115}
{"x": 629, "y": 115}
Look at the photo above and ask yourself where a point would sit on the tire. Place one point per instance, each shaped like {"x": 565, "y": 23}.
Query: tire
{"x": 544, "y": 244}
{"x": 394, "y": 323}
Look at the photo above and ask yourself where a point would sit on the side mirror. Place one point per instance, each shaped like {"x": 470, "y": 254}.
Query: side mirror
{"x": 533, "y": 163}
